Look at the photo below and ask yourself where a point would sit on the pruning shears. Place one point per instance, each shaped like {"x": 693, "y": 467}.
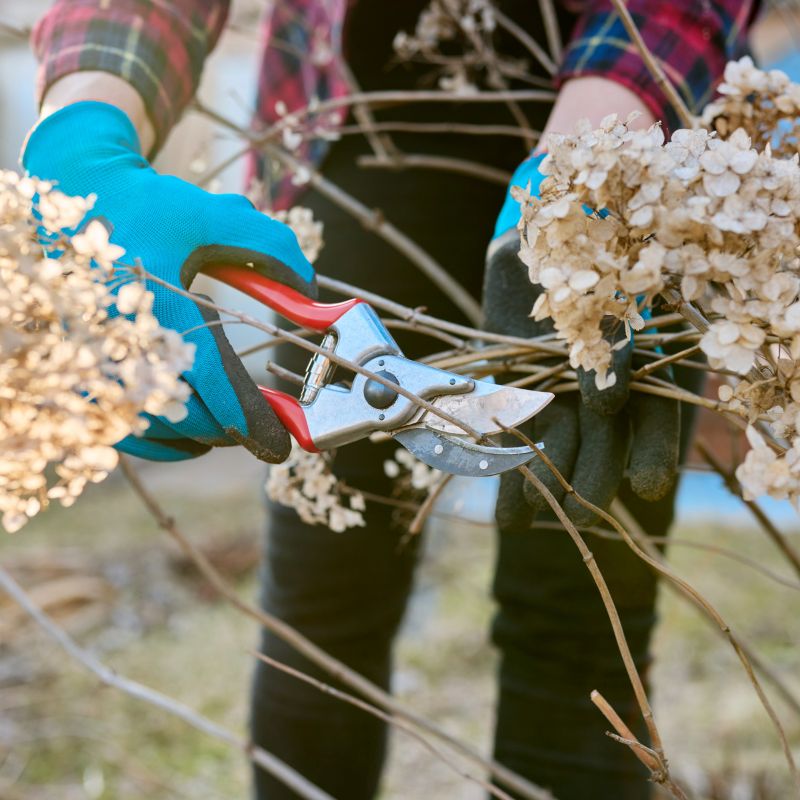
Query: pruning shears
{"x": 327, "y": 415}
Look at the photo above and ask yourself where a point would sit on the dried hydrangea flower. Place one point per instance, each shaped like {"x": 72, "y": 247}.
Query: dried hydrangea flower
{"x": 74, "y": 375}
{"x": 305, "y": 483}
{"x": 444, "y": 28}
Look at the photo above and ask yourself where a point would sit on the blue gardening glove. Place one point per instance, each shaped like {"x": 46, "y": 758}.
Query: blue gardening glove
{"x": 594, "y": 438}
{"x": 174, "y": 228}
{"x": 527, "y": 176}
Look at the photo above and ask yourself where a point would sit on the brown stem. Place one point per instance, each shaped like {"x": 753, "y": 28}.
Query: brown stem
{"x": 654, "y": 366}
{"x": 651, "y": 556}
{"x": 551, "y": 29}
{"x": 644, "y": 754}
{"x": 608, "y": 602}
{"x": 371, "y": 220}
{"x": 470, "y": 129}
{"x": 522, "y": 36}
{"x": 386, "y": 99}
{"x": 424, "y": 511}
{"x": 540, "y": 343}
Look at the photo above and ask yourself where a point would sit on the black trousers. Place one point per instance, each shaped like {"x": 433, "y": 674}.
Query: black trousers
{"x": 347, "y": 592}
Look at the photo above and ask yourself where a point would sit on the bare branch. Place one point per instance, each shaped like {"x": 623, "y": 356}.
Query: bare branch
{"x": 551, "y": 29}
{"x": 778, "y": 539}
{"x": 387, "y": 718}
{"x": 421, "y": 161}
{"x": 522, "y": 36}
{"x": 277, "y": 768}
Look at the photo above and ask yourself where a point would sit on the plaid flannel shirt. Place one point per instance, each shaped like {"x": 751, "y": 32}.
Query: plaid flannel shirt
{"x": 159, "y": 46}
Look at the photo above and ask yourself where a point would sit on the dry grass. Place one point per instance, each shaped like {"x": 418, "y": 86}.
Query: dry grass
{"x": 63, "y": 737}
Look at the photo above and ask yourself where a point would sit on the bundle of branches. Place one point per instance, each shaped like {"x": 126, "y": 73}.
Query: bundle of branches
{"x": 710, "y": 220}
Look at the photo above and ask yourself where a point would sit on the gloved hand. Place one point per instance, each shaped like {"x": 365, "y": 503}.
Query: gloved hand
{"x": 593, "y": 437}
{"x": 174, "y": 229}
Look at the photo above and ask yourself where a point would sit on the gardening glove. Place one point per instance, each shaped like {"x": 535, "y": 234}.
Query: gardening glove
{"x": 175, "y": 229}
{"x": 594, "y": 437}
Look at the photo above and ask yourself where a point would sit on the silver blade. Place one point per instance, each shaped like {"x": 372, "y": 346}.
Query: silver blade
{"x": 461, "y": 456}
{"x": 486, "y": 403}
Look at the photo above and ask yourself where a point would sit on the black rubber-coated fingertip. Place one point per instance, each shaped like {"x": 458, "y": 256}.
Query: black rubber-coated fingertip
{"x": 262, "y": 263}
{"x": 612, "y": 399}
{"x": 511, "y": 511}
{"x": 509, "y": 295}
{"x": 656, "y": 445}
{"x": 557, "y": 427}
{"x": 533, "y": 497}
{"x": 267, "y": 439}
{"x": 600, "y": 463}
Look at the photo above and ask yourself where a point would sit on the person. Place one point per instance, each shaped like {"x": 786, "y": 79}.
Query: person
{"x": 114, "y": 79}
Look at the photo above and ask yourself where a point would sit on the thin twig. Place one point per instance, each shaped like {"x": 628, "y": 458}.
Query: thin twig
{"x": 371, "y": 220}
{"x": 654, "y": 366}
{"x": 283, "y": 772}
{"x": 734, "y": 487}
{"x": 597, "y": 576}
{"x": 675, "y": 541}
{"x": 551, "y": 29}
{"x": 425, "y": 509}
{"x": 611, "y": 611}
{"x": 460, "y": 166}
{"x": 540, "y": 343}
{"x": 449, "y": 128}
{"x": 397, "y": 722}
{"x": 527, "y": 41}
{"x": 386, "y": 99}
{"x": 286, "y": 374}
{"x": 381, "y": 144}
{"x": 644, "y": 754}
{"x": 653, "y": 67}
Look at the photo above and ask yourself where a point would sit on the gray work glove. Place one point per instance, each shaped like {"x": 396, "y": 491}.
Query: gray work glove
{"x": 595, "y": 438}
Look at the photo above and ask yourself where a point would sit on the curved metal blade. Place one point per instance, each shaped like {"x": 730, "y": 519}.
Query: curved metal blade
{"x": 488, "y": 408}
{"x": 461, "y": 456}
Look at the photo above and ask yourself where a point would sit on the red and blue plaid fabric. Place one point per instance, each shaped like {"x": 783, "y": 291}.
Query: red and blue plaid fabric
{"x": 691, "y": 39}
{"x": 302, "y": 61}
{"x": 159, "y": 46}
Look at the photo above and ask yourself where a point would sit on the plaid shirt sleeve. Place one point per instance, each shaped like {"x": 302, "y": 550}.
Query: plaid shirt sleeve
{"x": 158, "y": 46}
{"x": 692, "y": 40}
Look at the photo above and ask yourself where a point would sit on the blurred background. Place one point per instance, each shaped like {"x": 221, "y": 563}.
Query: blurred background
{"x": 105, "y": 572}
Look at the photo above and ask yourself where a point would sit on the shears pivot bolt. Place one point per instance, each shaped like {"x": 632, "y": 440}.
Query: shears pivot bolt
{"x": 378, "y": 395}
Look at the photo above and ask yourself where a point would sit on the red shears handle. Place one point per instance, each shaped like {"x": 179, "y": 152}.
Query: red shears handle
{"x": 287, "y": 302}
{"x": 295, "y": 307}
{"x": 291, "y": 414}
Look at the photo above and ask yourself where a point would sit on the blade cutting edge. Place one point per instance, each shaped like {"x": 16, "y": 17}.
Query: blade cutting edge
{"x": 458, "y": 456}
{"x": 488, "y": 408}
